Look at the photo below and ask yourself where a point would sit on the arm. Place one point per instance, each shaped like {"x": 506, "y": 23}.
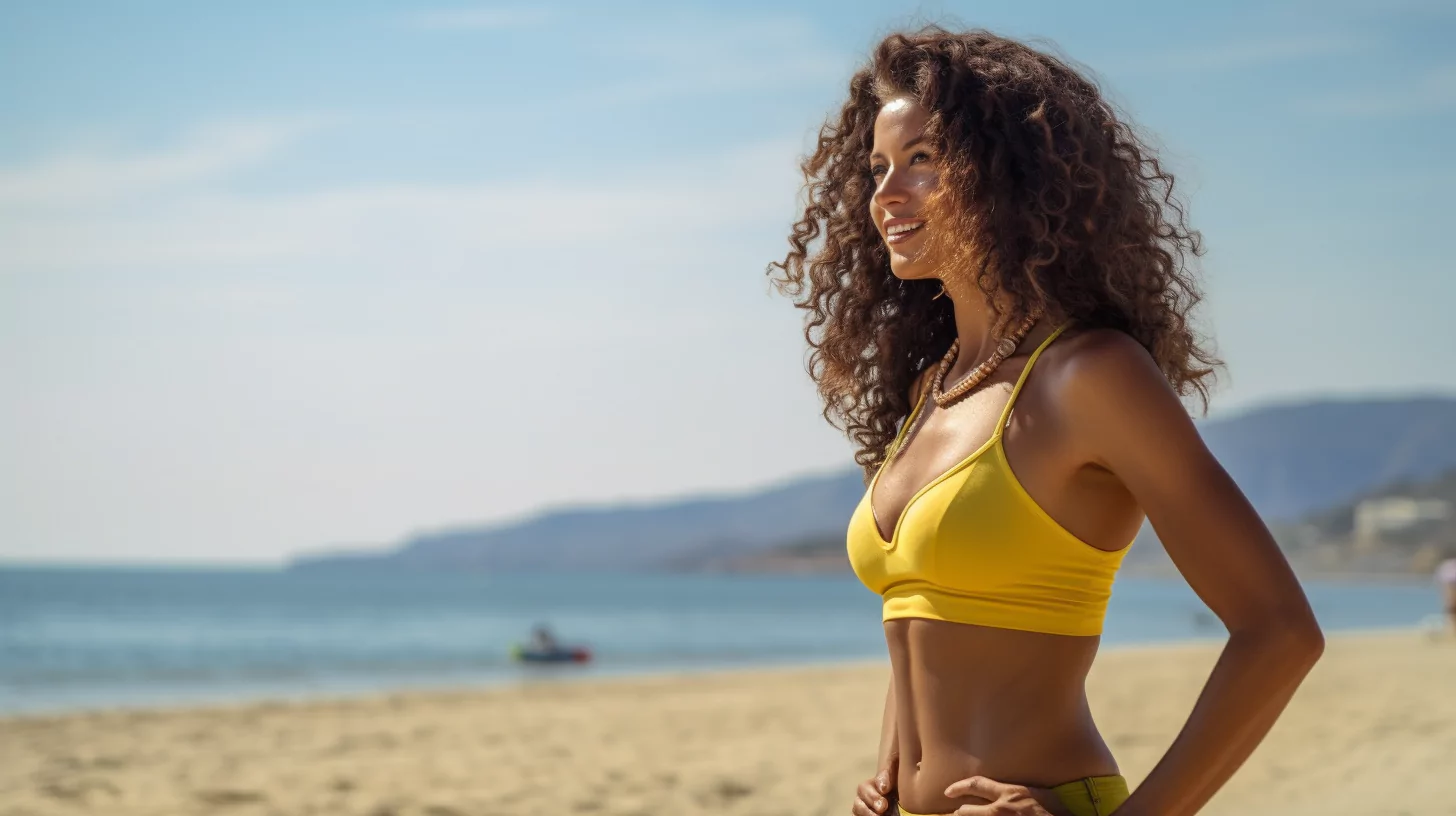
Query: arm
{"x": 874, "y": 795}
{"x": 889, "y": 756}
{"x": 1132, "y": 423}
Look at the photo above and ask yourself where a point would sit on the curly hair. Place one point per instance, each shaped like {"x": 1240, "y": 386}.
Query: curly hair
{"x": 1052, "y": 202}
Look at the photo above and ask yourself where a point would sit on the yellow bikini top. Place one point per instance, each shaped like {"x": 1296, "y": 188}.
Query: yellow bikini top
{"x": 973, "y": 547}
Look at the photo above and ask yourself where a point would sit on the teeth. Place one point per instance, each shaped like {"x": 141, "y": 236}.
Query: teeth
{"x": 899, "y": 228}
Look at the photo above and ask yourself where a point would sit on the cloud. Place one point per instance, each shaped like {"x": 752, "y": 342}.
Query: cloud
{"x": 209, "y": 152}
{"x": 482, "y": 19}
{"x": 178, "y": 213}
{"x": 1432, "y": 92}
{"x": 174, "y": 209}
{"x": 380, "y": 339}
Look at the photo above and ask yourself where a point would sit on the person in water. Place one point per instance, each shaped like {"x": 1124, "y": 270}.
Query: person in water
{"x": 994, "y": 263}
{"x": 543, "y": 639}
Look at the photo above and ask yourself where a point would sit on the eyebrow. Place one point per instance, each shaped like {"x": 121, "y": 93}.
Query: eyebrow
{"x": 915, "y": 141}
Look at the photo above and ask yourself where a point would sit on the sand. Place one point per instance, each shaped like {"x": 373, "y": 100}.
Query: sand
{"x": 1373, "y": 731}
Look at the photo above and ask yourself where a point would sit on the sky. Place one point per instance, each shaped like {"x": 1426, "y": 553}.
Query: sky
{"x": 279, "y": 277}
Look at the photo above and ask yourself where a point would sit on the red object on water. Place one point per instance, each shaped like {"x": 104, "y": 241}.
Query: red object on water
{"x": 580, "y": 654}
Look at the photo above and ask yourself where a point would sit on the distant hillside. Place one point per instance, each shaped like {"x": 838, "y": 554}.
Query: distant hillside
{"x": 1405, "y": 527}
{"x": 669, "y": 533}
{"x": 1400, "y": 529}
{"x": 1297, "y": 458}
{"x": 1290, "y": 460}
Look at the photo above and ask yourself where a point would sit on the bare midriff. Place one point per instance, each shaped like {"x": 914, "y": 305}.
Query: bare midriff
{"x": 1001, "y": 703}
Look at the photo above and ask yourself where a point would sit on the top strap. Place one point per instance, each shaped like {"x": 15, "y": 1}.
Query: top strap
{"x": 905, "y": 426}
{"x": 894, "y": 447}
{"x": 1020, "y": 381}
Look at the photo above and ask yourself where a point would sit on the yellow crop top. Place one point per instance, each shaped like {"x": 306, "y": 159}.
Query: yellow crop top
{"x": 973, "y": 547}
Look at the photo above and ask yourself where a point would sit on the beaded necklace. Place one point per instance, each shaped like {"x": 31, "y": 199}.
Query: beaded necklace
{"x": 1004, "y": 349}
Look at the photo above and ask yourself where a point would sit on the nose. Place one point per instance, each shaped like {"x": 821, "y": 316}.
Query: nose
{"x": 893, "y": 189}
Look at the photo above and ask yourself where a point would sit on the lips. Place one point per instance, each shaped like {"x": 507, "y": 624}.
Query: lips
{"x": 899, "y": 230}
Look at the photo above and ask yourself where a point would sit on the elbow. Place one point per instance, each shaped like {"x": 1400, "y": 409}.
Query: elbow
{"x": 1307, "y": 642}
{"x": 1294, "y": 639}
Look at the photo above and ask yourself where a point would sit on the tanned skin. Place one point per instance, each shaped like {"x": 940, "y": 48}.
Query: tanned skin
{"x": 981, "y": 721}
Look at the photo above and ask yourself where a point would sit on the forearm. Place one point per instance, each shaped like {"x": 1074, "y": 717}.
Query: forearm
{"x": 1254, "y": 679}
{"x": 889, "y": 754}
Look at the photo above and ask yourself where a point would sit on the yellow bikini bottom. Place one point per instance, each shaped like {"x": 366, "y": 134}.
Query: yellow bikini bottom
{"x": 1089, "y": 796}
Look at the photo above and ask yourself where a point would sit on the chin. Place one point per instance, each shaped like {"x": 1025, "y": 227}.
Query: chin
{"x": 912, "y": 270}
{"x": 908, "y": 268}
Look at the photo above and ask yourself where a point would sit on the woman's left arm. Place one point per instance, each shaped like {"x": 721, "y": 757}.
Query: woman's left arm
{"x": 1121, "y": 414}
{"x": 1122, "y": 409}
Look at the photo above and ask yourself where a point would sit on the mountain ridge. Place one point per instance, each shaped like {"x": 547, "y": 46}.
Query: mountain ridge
{"x": 1290, "y": 458}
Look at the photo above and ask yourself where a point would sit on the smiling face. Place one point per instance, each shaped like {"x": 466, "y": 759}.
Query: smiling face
{"x": 904, "y": 169}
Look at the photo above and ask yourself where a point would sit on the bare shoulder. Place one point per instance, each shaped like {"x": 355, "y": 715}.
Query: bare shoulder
{"x": 1110, "y": 398}
{"x": 1096, "y": 366}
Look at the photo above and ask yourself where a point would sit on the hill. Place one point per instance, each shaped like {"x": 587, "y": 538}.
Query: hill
{"x": 1290, "y": 460}
{"x": 1406, "y": 527}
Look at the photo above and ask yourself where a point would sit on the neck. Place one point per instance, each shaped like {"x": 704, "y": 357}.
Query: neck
{"x": 974, "y": 322}
{"x": 975, "y": 325}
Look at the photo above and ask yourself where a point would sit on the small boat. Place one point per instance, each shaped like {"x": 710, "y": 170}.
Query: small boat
{"x": 559, "y": 654}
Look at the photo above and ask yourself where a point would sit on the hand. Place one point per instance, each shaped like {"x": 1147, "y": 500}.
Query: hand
{"x": 1005, "y": 800}
{"x": 873, "y": 796}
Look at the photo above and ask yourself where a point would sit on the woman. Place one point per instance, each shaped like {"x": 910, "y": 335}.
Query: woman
{"x": 991, "y": 256}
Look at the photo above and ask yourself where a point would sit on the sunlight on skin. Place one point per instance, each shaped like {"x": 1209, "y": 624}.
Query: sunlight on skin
{"x": 905, "y": 176}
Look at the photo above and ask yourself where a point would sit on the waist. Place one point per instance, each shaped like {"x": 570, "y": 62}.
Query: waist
{"x": 1043, "y": 761}
{"x": 1023, "y": 747}
{"x": 1007, "y": 704}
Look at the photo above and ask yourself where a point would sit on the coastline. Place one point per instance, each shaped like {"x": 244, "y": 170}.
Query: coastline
{"x": 218, "y": 638}
{"x": 227, "y": 698}
{"x": 750, "y": 740}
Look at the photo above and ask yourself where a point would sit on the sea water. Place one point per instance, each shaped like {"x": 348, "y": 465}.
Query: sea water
{"x": 83, "y": 638}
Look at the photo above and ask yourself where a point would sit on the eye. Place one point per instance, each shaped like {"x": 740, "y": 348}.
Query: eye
{"x": 920, "y": 155}
{"x": 877, "y": 170}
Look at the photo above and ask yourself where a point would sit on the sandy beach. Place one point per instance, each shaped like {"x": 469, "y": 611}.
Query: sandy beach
{"x": 1372, "y": 732}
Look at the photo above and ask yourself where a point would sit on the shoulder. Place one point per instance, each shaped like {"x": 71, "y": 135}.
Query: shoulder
{"x": 1109, "y": 394}
{"x": 1093, "y": 366}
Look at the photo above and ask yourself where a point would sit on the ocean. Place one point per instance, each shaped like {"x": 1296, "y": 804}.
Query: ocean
{"x": 89, "y": 638}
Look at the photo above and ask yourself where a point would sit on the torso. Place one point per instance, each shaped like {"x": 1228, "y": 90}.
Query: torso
{"x": 973, "y": 699}
{"x": 976, "y": 700}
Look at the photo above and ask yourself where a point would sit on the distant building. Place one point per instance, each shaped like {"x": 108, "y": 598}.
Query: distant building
{"x": 1392, "y": 514}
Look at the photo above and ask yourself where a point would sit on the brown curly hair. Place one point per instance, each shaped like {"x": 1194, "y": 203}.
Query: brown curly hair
{"x": 1053, "y": 202}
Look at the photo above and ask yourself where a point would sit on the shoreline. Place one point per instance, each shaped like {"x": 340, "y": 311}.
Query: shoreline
{"x": 1373, "y": 726}
{"x": 573, "y": 676}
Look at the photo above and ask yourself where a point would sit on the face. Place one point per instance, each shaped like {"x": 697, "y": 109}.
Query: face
{"x": 905, "y": 174}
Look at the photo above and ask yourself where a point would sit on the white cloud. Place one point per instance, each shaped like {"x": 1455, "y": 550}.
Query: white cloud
{"x": 390, "y": 228}
{"x": 1433, "y": 92}
{"x": 209, "y": 152}
{"x": 357, "y": 358}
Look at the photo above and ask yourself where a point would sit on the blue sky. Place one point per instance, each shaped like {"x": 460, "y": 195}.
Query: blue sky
{"x": 282, "y": 276}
